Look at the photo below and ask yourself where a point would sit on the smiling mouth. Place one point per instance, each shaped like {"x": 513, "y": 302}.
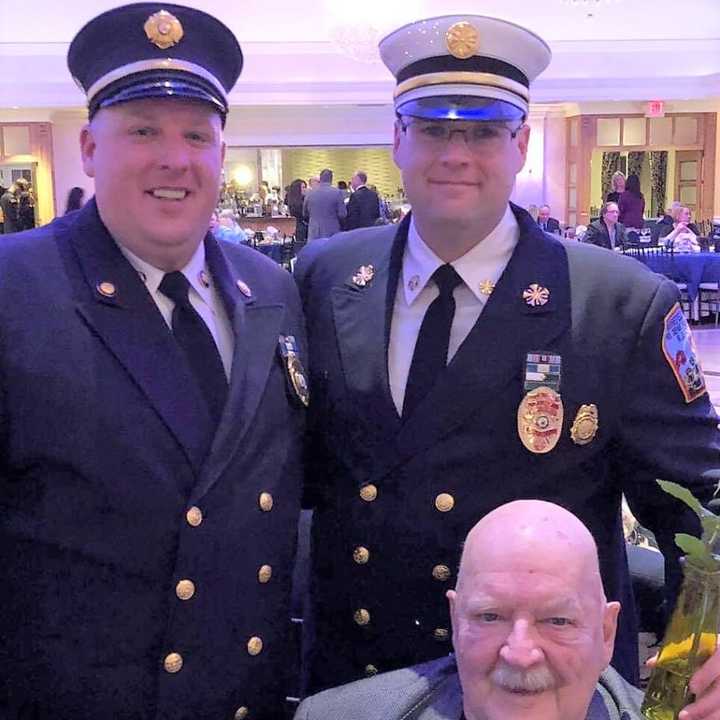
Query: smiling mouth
{"x": 175, "y": 194}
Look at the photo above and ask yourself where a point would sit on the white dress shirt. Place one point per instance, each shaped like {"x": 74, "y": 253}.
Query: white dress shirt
{"x": 483, "y": 263}
{"x": 205, "y": 300}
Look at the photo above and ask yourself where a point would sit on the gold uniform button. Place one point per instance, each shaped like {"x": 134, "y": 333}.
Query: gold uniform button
{"x": 173, "y": 663}
{"x": 107, "y": 289}
{"x": 441, "y": 572}
{"x": 266, "y": 501}
{"x": 241, "y": 713}
{"x": 368, "y": 492}
{"x": 194, "y": 516}
{"x": 362, "y": 616}
{"x": 361, "y": 555}
{"x": 370, "y": 670}
{"x": 444, "y": 502}
{"x": 185, "y": 589}
{"x": 254, "y": 646}
{"x": 441, "y": 634}
{"x": 264, "y": 574}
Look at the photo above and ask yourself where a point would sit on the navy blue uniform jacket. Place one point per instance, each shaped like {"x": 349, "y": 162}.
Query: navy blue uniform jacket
{"x": 101, "y": 457}
{"x": 374, "y": 479}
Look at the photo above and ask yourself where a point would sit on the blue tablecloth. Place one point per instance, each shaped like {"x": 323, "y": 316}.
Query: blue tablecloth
{"x": 691, "y": 268}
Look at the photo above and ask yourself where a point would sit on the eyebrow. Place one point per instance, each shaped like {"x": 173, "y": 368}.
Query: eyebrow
{"x": 484, "y": 603}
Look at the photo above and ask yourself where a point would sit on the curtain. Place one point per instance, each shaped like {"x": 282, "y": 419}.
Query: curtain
{"x": 658, "y": 178}
{"x": 635, "y": 162}
{"x": 610, "y": 163}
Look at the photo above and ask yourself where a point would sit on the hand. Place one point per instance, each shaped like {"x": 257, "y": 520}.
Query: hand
{"x": 705, "y": 685}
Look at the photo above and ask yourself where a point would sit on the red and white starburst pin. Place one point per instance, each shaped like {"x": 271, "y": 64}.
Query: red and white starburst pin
{"x": 536, "y": 295}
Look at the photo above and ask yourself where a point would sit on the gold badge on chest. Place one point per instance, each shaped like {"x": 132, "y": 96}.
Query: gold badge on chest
{"x": 585, "y": 426}
{"x": 539, "y": 419}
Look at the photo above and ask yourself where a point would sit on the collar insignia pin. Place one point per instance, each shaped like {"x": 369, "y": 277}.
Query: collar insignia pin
{"x": 106, "y": 289}
{"x": 204, "y": 279}
{"x": 413, "y": 283}
{"x": 363, "y": 275}
{"x": 244, "y": 288}
{"x": 163, "y": 29}
{"x": 536, "y": 295}
{"x": 487, "y": 287}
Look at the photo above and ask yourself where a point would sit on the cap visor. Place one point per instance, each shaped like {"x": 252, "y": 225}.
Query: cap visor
{"x": 461, "y": 107}
{"x": 166, "y": 87}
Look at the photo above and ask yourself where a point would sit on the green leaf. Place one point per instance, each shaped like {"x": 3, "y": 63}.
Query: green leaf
{"x": 697, "y": 552}
{"x": 711, "y": 529}
{"x": 682, "y": 493}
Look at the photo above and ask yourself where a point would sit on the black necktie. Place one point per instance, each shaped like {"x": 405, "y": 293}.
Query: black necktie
{"x": 431, "y": 349}
{"x": 197, "y": 344}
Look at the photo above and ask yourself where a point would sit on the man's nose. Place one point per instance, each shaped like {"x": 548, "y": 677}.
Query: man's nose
{"x": 521, "y": 648}
{"x": 173, "y": 154}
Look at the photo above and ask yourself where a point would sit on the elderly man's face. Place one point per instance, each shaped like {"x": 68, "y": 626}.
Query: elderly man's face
{"x": 544, "y": 213}
{"x": 156, "y": 165}
{"x": 531, "y": 632}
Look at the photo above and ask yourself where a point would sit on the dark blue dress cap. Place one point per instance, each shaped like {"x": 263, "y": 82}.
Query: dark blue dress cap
{"x": 147, "y": 50}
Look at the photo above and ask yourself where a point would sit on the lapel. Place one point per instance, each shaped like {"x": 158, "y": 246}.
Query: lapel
{"x": 494, "y": 353}
{"x": 130, "y": 325}
{"x": 362, "y": 317}
{"x": 256, "y": 329}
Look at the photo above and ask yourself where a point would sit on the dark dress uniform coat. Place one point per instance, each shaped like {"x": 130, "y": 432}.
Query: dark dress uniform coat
{"x": 394, "y": 500}
{"x": 107, "y": 500}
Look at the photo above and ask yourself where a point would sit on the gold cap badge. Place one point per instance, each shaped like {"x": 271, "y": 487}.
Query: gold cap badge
{"x": 163, "y": 29}
{"x": 585, "y": 426}
{"x": 363, "y": 275}
{"x": 539, "y": 419}
{"x": 462, "y": 40}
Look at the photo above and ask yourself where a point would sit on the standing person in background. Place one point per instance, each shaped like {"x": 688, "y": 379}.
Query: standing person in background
{"x": 363, "y": 208}
{"x": 74, "y": 199}
{"x": 324, "y": 207}
{"x": 10, "y": 206}
{"x": 466, "y": 338}
{"x": 617, "y": 187}
{"x": 26, "y": 206}
{"x": 547, "y": 223}
{"x": 294, "y": 200}
{"x": 632, "y": 204}
{"x": 151, "y": 410}
{"x": 3, "y": 190}
{"x": 343, "y": 188}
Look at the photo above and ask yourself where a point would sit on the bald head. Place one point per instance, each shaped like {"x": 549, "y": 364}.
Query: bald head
{"x": 534, "y": 536}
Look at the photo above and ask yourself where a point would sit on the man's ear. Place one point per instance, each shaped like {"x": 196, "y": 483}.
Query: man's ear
{"x": 87, "y": 149}
{"x": 610, "y": 621}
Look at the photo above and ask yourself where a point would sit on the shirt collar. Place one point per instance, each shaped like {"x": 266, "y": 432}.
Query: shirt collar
{"x": 483, "y": 263}
{"x": 152, "y": 276}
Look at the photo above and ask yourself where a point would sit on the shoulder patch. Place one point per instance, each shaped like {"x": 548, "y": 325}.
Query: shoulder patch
{"x": 680, "y": 352}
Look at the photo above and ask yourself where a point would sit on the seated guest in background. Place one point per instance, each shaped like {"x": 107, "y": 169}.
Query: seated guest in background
{"x": 294, "y": 200}
{"x": 363, "y": 208}
{"x": 665, "y": 224}
{"x": 547, "y": 223}
{"x": 681, "y": 238}
{"x": 74, "y": 199}
{"x": 632, "y": 204}
{"x": 228, "y": 229}
{"x": 617, "y": 185}
{"x": 324, "y": 208}
{"x": 533, "y": 635}
{"x": 607, "y": 232}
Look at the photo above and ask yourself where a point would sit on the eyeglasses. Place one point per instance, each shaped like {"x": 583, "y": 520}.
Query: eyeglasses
{"x": 479, "y": 136}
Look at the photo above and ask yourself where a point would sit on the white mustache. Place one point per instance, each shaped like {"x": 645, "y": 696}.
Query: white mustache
{"x": 533, "y": 680}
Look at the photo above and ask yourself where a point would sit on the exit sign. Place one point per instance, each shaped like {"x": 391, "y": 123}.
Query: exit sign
{"x": 655, "y": 108}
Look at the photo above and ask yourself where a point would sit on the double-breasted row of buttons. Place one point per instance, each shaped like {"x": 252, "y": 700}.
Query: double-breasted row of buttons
{"x": 444, "y": 502}
{"x": 185, "y": 589}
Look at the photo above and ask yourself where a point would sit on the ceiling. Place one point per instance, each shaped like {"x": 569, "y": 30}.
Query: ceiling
{"x": 297, "y": 53}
